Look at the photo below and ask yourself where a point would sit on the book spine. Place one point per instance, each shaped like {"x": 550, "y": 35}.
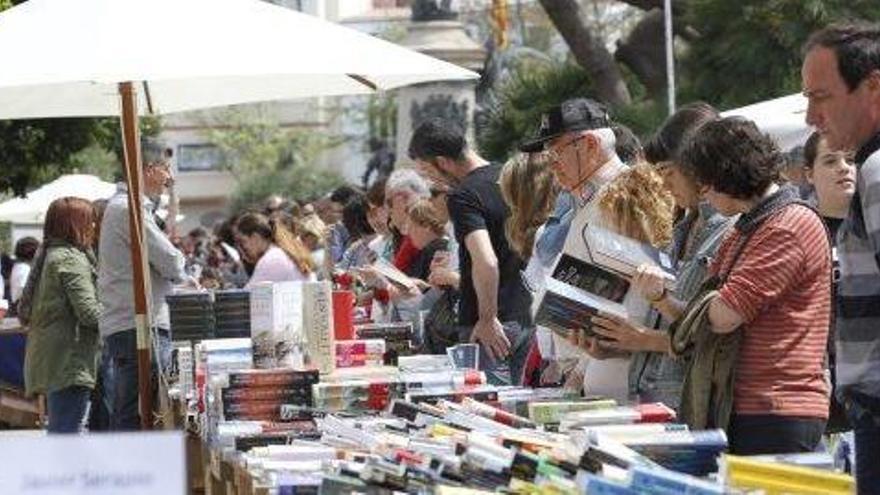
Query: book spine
{"x": 318, "y": 325}
{"x": 264, "y": 393}
{"x": 285, "y": 378}
{"x": 551, "y": 412}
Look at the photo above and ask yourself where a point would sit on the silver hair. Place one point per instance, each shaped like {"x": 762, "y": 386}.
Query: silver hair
{"x": 607, "y": 140}
{"x": 154, "y": 151}
{"x": 407, "y": 179}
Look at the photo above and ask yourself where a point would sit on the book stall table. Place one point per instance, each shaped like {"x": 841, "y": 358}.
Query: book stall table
{"x": 294, "y": 409}
{"x": 16, "y": 410}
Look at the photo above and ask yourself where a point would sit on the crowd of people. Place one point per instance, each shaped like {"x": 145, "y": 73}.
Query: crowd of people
{"x": 768, "y": 329}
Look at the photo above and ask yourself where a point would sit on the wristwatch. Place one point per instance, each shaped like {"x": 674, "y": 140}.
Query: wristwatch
{"x": 662, "y": 296}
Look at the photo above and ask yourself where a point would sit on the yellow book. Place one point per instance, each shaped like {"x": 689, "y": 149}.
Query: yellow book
{"x": 777, "y": 478}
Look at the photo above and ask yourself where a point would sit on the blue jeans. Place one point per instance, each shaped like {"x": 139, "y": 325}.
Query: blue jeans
{"x": 123, "y": 391}
{"x": 102, "y": 396}
{"x": 866, "y": 430}
{"x": 68, "y": 409}
{"x": 769, "y": 434}
{"x": 510, "y": 370}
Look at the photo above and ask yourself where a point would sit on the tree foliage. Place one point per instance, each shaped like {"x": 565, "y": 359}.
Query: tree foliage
{"x": 728, "y": 53}
{"x": 750, "y": 50}
{"x": 515, "y": 108}
{"x": 31, "y": 150}
{"x": 267, "y": 159}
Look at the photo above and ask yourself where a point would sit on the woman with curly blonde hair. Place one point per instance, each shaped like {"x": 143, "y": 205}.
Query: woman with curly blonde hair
{"x": 636, "y": 204}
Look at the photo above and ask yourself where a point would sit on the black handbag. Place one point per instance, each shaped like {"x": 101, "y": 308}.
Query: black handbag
{"x": 441, "y": 328}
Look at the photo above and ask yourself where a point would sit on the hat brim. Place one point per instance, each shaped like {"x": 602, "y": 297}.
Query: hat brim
{"x": 537, "y": 144}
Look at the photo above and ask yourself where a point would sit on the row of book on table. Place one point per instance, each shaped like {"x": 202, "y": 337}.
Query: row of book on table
{"x": 427, "y": 425}
{"x": 300, "y": 407}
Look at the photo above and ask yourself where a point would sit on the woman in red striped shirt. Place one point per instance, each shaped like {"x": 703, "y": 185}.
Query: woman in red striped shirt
{"x": 776, "y": 289}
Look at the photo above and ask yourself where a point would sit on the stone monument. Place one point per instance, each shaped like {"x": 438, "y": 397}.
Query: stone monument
{"x": 435, "y": 30}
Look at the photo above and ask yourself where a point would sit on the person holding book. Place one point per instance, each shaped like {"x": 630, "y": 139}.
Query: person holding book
{"x": 578, "y": 140}
{"x": 768, "y": 299}
{"x": 403, "y": 188}
{"x": 634, "y": 213}
{"x": 656, "y": 375}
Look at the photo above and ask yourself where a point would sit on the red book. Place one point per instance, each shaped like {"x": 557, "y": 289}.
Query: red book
{"x": 655, "y": 413}
{"x": 343, "y": 314}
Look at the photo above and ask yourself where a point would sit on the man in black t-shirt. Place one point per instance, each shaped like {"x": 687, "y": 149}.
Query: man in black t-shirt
{"x": 492, "y": 290}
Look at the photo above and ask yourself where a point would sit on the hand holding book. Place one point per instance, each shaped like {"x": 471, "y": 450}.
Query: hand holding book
{"x": 622, "y": 335}
{"x": 652, "y": 281}
{"x": 597, "y": 348}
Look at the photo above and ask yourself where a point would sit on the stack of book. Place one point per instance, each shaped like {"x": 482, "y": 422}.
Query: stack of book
{"x": 276, "y": 320}
{"x": 232, "y": 313}
{"x": 192, "y": 316}
{"x": 358, "y": 353}
{"x": 220, "y": 356}
{"x": 278, "y": 434}
{"x": 318, "y": 326}
{"x": 398, "y": 338}
{"x": 640, "y": 413}
{"x": 550, "y": 412}
{"x": 184, "y": 368}
{"x": 260, "y": 394}
{"x": 356, "y": 395}
{"x": 691, "y": 452}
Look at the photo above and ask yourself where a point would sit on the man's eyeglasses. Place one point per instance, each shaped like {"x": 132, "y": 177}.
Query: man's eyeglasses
{"x": 553, "y": 153}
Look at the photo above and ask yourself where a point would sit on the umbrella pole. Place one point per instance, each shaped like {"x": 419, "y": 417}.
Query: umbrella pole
{"x": 140, "y": 275}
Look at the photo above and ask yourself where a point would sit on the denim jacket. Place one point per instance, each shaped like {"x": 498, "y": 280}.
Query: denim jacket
{"x": 654, "y": 376}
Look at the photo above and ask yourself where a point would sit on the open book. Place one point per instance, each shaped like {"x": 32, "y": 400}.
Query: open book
{"x": 393, "y": 275}
{"x": 622, "y": 254}
{"x": 591, "y": 278}
{"x": 566, "y": 308}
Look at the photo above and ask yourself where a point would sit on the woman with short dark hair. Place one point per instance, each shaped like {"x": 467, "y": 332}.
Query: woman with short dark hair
{"x": 356, "y": 221}
{"x": 60, "y": 306}
{"x": 759, "y": 326}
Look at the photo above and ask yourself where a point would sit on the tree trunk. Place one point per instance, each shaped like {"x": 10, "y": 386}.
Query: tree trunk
{"x": 644, "y": 52}
{"x": 589, "y": 51}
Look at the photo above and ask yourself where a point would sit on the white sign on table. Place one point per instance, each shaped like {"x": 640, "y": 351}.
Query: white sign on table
{"x": 145, "y": 463}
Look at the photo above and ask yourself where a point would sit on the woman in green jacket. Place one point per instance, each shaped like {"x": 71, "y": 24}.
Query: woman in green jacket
{"x": 62, "y": 314}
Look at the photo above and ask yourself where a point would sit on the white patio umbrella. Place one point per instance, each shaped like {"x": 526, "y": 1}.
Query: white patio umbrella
{"x": 65, "y": 58}
{"x": 32, "y": 208}
{"x": 784, "y": 119}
